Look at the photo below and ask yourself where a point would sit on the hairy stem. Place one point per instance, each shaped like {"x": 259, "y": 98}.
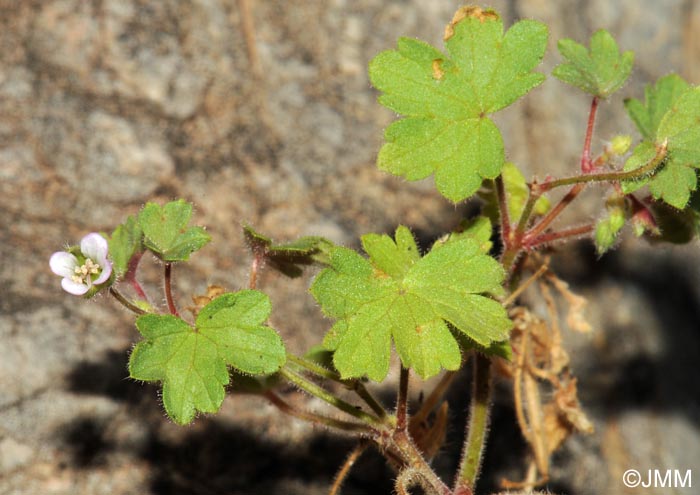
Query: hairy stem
{"x": 413, "y": 459}
{"x": 410, "y": 477}
{"x": 527, "y": 210}
{"x": 255, "y": 268}
{"x": 649, "y": 167}
{"x": 168, "y": 289}
{"x": 125, "y": 302}
{"x": 477, "y": 428}
{"x": 402, "y": 401}
{"x": 314, "y": 368}
{"x": 287, "y": 408}
{"x": 130, "y": 276}
{"x": 313, "y": 389}
{"x": 347, "y": 466}
{"x": 354, "y": 385}
{"x": 521, "y": 239}
{"x": 503, "y": 207}
{"x": 561, "y": 235}
{"x": 586, "y": 165}
{"x": 555, "y": 212}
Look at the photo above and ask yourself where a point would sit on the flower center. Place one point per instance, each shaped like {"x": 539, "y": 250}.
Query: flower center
{"x": 83, "y": 274}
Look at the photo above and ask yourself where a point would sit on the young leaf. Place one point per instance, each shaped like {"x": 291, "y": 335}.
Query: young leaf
{"x": 446, "y": 98}
{"x": 291, "y": 257}
{"x": 124, "y": 243}
{"x": 600, "y": 71}
{"x": 517, "y": 193}
{"x": 192, "y": 362}
{"x": 477, "y": 228}
{"x": 658, "y": 100}
{"x": 392, "y": 257}
{"x": 679, "y": 128}
{"x": 166, "y": 232}
{"x": 411, "y": 301}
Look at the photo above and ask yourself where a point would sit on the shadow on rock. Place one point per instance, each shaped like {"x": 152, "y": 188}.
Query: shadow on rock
{"x": 212, "y": 456}
{"x": 662, "y": 379}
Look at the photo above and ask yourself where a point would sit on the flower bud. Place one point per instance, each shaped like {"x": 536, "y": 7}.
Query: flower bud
{"x": 620, "y": 144}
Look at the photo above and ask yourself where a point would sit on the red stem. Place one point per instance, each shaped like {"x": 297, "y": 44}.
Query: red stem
{"x": 168, "y": 290}
{"x": 560, "y": 235}
{"x": 255, "y": 268}
{"x": 514, "y": 242}
{"x": 586, "y": 167}
{"x": 130, "y": 275}
{"x": 586, "y": 164}
{"x": 318, "y": 419}
{"x": 554, "y": 213}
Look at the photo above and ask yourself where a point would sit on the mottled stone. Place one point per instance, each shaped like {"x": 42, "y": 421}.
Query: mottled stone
{"x": 13, "y": 455}
{"x": 105, "y": 105}
{"x": 107, "y": 155}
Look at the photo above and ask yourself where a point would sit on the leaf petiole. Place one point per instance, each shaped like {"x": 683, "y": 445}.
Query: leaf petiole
{"x": 287, "y": 408}
{"x": 125, "y": 302}
{"x": 313, "y": 389}
{"x": 503, "y": 206}
{"x": 130, "y": 275}
{"x": 167, "y": 276}
{"x": 402, "y": 400}
{"x": 586, "y": 165}
{"x": 355, "y": 385}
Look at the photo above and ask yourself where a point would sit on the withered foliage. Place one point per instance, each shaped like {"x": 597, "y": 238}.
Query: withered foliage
{"x": 544, "y": 388}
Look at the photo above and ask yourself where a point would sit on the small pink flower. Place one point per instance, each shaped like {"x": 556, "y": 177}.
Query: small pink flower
{"x": 83, "y": 270}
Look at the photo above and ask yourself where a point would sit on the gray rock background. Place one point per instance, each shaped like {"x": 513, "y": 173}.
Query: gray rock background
{"x": 106, "y": 104}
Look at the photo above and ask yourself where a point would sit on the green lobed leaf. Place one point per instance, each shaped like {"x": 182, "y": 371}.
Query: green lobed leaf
{"x": 393, "y": 257}
{"x": 320, "y": 355}
{"x": 125, "y": 242}
{"x": 192, "y": 362}
{"x": 679, "y": 129}
{"x": 477, "y": 228}
{"x": 446, "y": 99}
{"x": 658, "y": 100}
{"x": 600, "y": 71}
{"x": 411, "y": 302}
{"x": 166, "y": 232}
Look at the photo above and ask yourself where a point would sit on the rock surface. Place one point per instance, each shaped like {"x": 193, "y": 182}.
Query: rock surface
{"x": 106, "y": 104}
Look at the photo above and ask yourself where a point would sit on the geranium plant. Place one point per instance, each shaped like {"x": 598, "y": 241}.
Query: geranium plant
{"x": 453, "y": 304}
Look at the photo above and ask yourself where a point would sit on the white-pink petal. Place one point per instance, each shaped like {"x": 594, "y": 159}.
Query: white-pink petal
{"x": 106, "y": 272}
{"x": 63, "y": 264}
{"x": 95, "y": 247}
{"x": 73, "y": 287}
